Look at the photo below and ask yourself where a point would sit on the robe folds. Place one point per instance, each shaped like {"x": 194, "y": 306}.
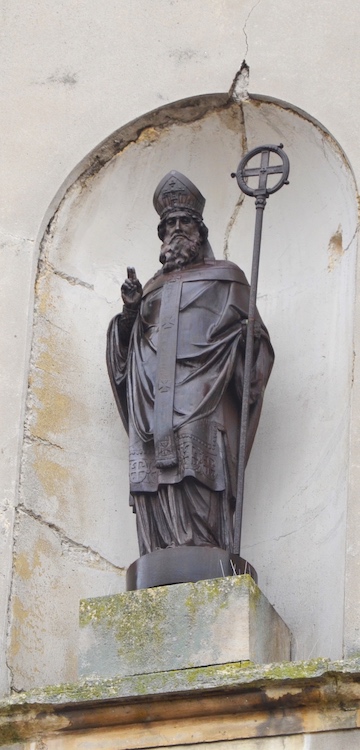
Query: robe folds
{"x": 178, "y": 385}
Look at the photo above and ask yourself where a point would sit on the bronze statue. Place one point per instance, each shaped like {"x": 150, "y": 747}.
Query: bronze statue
{"x": 176, "y": 363}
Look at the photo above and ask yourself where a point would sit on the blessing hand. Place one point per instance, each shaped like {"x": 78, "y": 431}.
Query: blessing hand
{"x": 131, "y": 290}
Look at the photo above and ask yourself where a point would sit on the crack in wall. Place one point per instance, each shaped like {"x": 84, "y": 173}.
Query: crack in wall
{"x": 356, "y": 231}
{"x": 51, "y": 323}
{"x": 84, "y": 554}
{"x": 12, "y": 687}
{"x": 29, "y": 438}
{"x": 244, "y": 147}
{"x": 17, "y": 237}
{"x": 9, "y": 610}
{"x": 45, "y": 268}
{"x": 73, "y": 280}
{"x": 353, "y": 363}
{"x": 78, "y": 553}
{"x": 186, "y": 111}
{"x": 245, "y": 26}
{"x": 231, "y": 224}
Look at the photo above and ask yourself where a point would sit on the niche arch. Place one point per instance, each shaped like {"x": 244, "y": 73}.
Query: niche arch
{"x": 74, "y": 462}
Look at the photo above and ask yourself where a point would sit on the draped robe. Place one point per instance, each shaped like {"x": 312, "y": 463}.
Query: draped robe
{"x": 178, "y": 385}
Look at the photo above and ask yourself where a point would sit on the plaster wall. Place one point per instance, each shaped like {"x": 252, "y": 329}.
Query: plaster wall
{"x": 72, "y": 74}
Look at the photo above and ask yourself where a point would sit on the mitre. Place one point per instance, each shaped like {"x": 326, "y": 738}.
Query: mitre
{"x": 177, "y": 191}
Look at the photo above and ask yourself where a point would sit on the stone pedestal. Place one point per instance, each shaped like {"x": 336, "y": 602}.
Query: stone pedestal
{"x": 179, "y": 627}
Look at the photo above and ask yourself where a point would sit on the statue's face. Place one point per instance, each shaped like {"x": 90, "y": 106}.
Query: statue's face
{"x": 179, "y": 223}
{"x": 182, "y": 243}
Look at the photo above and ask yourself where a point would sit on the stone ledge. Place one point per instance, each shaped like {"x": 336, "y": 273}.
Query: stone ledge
{"x": 229, "y": 701}
{"x": 233, "y": 676}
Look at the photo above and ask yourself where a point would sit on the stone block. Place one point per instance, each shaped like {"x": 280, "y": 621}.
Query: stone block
{"x": 181, "y": 626}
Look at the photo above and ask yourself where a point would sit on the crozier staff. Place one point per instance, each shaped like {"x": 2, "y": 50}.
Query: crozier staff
{"x": 176, "y": 364}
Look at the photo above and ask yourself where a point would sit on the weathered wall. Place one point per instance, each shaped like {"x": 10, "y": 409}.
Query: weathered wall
{"x": 73, "y": 74}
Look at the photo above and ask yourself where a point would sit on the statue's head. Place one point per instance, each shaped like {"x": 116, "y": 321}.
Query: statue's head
{"x": 181, "y": 229}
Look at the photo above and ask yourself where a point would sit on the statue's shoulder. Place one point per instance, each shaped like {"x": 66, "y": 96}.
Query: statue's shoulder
{"x": 208, "y": 270}
{"x": 224, "y": 270}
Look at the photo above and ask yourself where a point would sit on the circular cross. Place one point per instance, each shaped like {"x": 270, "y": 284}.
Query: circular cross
{"x": 263, "y": 171}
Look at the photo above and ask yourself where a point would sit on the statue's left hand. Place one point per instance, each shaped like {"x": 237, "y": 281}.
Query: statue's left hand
{"x": 131, "y": 290}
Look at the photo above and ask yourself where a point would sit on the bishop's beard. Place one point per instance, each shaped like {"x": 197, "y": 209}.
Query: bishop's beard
{"x": 179, "y": 252}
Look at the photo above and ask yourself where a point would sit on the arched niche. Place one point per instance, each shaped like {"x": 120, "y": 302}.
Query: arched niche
{"x": 74, "y": 466}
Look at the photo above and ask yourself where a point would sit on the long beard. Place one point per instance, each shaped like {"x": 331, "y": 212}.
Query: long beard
{"x": 180, "y": 252}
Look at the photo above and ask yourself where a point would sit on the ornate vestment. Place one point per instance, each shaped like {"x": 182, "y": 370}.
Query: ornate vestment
{"x": 178, "y": 382}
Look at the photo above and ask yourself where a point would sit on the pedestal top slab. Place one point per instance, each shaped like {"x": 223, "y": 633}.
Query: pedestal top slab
{"x": 178, "y": 627}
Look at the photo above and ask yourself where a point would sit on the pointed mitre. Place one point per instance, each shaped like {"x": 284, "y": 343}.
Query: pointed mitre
{"x": 176, "y": 191}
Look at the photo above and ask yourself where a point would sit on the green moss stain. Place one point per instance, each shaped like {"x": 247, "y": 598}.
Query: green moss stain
{"x": 208, "y": 595}
{"x": 295, "y": 670}
{"x": 177, "y": 681}
{"x": 135, "y": 620}
{"x": 154, "y": 629}
{"x": 235, "y": 674}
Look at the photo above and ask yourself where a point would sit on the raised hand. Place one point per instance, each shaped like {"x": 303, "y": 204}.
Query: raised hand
{"x": 131, "y": 290}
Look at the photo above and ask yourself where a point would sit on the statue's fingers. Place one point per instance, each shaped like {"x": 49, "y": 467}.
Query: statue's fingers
{"x": 131, "y": 273}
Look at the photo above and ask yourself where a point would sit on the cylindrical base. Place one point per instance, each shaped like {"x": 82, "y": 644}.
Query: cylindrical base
{"x": 183, "y": 565}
